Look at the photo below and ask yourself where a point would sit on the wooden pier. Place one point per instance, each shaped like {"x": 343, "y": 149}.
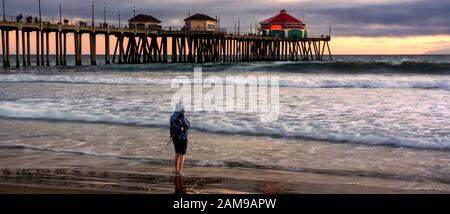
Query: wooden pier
{"x": 134, "y": 46}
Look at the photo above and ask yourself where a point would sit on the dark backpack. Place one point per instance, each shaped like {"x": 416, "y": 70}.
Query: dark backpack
{"x": 177, "y": 130}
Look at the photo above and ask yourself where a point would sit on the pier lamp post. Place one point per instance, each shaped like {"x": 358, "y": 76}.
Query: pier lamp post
{"x": 104, "y": 16}
{"x": 4, "y": 16}
{"x": 60, "y": 12}
{"x": 329, "y": 32}
{"x": 40, "y": 13}
{"x": 239, "y": 27}
{"x": 118, "y": 13}
{"x": 218, "y": 23}
{"x": 92, "y": 6}
{"x": 134, "y": 15}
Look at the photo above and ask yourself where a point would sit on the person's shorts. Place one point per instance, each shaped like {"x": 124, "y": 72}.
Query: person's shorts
{"x": 180, "y": 146}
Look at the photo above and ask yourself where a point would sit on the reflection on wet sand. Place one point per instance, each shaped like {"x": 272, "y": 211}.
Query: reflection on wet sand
{"x": 180, "y": 187}
{"x": 271, "y": 187}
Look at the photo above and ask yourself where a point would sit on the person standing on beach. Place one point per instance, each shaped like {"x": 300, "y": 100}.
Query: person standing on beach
{"x": 179, "y": 126}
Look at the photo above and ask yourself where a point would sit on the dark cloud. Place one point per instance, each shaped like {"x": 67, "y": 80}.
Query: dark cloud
{"x": 348, "y": 18}
{"x": 428, "y": 17}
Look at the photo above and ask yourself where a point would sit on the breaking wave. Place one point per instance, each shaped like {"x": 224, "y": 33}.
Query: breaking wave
{"x": 351, "y": 64}
{"x": 308, "y": 81}
{"x": 20, "y": 111}
{"x": 401, "y": 66}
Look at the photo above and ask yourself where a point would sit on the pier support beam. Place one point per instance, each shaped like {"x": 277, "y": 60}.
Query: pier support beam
{"x": 80, "y": 49}
{"x": 183, "y": 44}
{"x": 3, "y": 48}
{"x": 47, "y": 49}
{"x": 42, "y": 47}
{"x": 115, "y": 50}
{"x": 92, "y": 45}
{"x": 329, "y": 51}
{"x": 75, "y": 39}
{"x": 143, "y": 49}
{"x": 17, "y": 49}
{"x": 61, "y": 61}
{"x": 24, "y": 53}
{"x": 164, "y": 47}
{"x": 57, "y": 48}
{"x": 174, "y": 49}
{"x": 64, "y": 53}
{"x": 121, "y": 49}
{"x": 28, "y": 49}
{"x": 6, "y": 53}
{"x": 7, "y": 48}
{"x": 107, "y": 49}
{"x": 38, "y": 63}
{"x": 78, "y": 46}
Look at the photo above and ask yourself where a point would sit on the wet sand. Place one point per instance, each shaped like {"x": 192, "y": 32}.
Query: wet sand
{"x": 161, "y": 181}
{"x": 29, "y": 189}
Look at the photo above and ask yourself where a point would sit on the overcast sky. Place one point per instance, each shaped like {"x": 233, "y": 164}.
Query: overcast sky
{"x": 368, "y": 18}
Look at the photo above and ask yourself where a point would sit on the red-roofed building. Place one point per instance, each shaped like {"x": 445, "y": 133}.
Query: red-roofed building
{"x": 283, "y": 25}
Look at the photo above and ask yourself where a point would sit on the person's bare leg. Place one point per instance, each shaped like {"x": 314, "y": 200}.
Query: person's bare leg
{"x": 181, "y": 164}
{"x": 177, "y": 160}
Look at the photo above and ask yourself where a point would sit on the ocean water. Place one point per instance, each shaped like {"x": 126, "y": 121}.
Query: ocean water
{"x": 363, "y": 115}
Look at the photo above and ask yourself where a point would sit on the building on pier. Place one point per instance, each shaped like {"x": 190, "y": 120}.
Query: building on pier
{"x": 200, "y": 23}
{"x": 283, "y": 25}
{"x": 143, "y": 22}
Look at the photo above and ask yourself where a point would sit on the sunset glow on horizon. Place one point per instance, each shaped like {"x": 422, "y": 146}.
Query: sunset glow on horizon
{"x": 340, "y": 45}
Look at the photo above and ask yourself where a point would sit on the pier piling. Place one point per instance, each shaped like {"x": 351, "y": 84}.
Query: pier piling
{"x": 17, "y": 49}
{"x": 61, "y": 61}
{"x": 65, "y": 49}
{"x": 7, "y": 48}
{"x": 24, "y": 62}
{"x": 42, "y": 47}
{"x": 107, "y": 48}
{"x": 78, "y": 47}
{"x": 93, "y": 45}
{"x": 28, "y": 48}
{"x": 37, "y": 49}
{"x": 57, "y": 48}
{"x": 47, "y": 49}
